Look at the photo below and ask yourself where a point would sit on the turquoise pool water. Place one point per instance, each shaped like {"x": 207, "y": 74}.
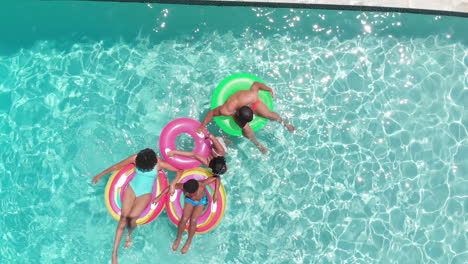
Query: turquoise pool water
{"x": 376, "y": 172}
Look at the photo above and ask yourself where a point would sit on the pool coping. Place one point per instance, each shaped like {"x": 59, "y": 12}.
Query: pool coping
{"x": 248, "y": 3}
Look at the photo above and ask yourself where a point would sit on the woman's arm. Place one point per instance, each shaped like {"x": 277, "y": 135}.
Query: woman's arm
{"x": 115, "y": 167}
{"x": 165, "y": 165}
{"x": 157, "y": 198}
{"x": 217, "y": 181}
{"x": 165, "y": 191}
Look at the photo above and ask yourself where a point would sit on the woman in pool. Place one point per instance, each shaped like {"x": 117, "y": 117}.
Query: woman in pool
{"x": 137, "y": 195}
{"x": 195, "y": 201}
{"x": 215, "y": 161}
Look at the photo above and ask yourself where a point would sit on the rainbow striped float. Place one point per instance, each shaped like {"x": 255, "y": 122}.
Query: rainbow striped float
{"x": 115, "y": 190}
{"x": 213, "y": 212}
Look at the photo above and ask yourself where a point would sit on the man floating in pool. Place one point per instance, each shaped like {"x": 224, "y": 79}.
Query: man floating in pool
{"x": 195, "y": 201}
{"x": 242, "y": 105}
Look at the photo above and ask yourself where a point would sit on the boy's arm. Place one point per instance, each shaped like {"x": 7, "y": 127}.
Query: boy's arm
{"x": 218, "y": 147}
{"x": 117, "y": 166}
{"x": 193, "y": 155}
{"x": 260, "y": 86}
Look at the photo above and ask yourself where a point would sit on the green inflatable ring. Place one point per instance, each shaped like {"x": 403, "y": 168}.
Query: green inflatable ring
{"x": 226, "y": 88}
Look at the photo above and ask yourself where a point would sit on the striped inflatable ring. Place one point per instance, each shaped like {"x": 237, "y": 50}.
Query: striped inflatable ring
{"x": 213, "y": 212}
{"x": 115, "y": 190}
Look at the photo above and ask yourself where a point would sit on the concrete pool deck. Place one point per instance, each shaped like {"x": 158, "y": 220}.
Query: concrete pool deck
{"x": 435, "y": 7}
{"x": 439, "y": 5}
{"x": 447, "y": 7}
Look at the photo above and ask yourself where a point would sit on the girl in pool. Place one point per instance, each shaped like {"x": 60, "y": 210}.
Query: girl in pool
{"x": 195, "y": 201}
{"x": 137, "y": 195}
{"x": 215, "y": 161}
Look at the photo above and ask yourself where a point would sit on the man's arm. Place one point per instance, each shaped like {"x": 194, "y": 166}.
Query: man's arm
{"x": 260, "y": 86}
{"x": 209, "y": 117}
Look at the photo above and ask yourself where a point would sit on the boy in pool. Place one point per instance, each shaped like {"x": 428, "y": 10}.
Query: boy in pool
{"x": 242, "y": 105}
{"x": 195, "y": 201}
{"x": 215, "y": 161}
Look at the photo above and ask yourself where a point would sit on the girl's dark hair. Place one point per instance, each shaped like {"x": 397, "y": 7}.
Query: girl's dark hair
{"x": 191, "y": 186}
{"x": 218, "y": 165}
{"x": 146, "y": 159}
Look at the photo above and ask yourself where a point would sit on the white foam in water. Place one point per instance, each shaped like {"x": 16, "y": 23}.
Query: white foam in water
{"x": 375, "y": 172}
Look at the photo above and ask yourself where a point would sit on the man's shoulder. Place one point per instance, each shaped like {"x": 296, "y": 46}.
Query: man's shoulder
{"x": 225, "y": 110}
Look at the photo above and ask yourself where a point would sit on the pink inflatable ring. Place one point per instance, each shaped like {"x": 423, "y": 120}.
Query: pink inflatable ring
{"x": 168, "y": 138}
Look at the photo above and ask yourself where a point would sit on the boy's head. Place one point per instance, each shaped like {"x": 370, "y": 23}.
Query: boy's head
{"x": 218, "y": 165}
{"x": 244, "y": 115}
{"x": 146, "y": 159}
{"x": 191, "y": 186}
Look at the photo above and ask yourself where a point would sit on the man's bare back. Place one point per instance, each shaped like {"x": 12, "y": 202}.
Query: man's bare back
{"x": 237, "y": 100}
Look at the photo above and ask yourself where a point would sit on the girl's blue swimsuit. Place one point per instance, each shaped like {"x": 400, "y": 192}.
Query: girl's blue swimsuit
{"x": 143, "y": 181}
{"x": 203, "y": 201}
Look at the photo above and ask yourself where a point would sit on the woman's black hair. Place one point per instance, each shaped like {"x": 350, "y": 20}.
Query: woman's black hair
{"x": 146, "y": 159}
{"x": 218, "y": 165}
{"x": 191, "y": 186}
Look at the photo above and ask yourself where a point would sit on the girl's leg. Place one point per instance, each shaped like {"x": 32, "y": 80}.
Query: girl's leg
{"x": 193, "y": 227}
{"x": 138, "y": 206}
{"x": 188, "y": 208}
{"x": 127, "y": 204}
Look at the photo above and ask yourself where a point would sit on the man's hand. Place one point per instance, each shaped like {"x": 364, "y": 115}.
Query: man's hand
{"x": 200, "y": 129}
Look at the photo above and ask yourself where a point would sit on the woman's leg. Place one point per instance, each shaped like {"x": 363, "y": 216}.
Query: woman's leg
{"x": 188, "y": 208}
{"x": 138, "y": 206}
{"x": 127, "y": 204}
{"x": 193, "y": 227}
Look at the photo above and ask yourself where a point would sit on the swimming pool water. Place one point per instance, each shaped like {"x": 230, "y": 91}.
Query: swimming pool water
{"x": 376, "y": 172}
